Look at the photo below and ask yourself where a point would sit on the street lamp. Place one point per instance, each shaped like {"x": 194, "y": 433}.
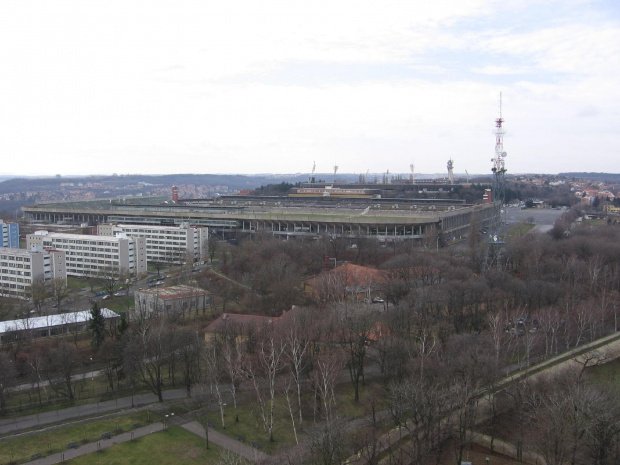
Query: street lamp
{"x": 92, "y": 375}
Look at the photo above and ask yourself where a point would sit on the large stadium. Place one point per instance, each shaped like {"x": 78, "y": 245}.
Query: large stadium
{"x": 312, "y": 209}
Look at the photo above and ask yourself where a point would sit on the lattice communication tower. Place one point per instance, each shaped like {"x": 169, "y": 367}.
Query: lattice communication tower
{"x": 495, "y": 243}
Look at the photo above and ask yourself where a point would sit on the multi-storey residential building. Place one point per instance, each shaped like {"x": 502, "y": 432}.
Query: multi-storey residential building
{"x": 94, "y": 255}
{"x": 9, "y": 234}
{"x": 170, "y": 244}
{"x": 21, "y": 268}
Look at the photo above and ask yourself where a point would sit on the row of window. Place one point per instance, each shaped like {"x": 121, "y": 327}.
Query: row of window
{"x": 9, "y": 271}
{"x": 15, "y": 258}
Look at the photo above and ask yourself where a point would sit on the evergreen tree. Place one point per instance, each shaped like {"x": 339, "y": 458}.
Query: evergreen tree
{"x": 97, "y": 326}
{"x": 123, "y": 325}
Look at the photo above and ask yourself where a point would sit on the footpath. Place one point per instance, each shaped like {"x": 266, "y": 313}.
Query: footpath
{"x": 84, "y": 449}
{"x": 194, "y": 427}
{"x": 54, "y": 417}
{"x": 31, "y": 424}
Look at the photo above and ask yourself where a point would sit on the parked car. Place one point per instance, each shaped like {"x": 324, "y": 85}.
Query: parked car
{"x": 378, "y": 300}
{"x": 106, "y": 297}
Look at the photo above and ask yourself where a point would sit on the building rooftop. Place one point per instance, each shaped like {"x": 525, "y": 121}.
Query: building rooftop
{"x": 174, "y": 292}
{"x": 40, "y": 322}
{"x": 14, "y": 251}
{"x": 81, "y": 237}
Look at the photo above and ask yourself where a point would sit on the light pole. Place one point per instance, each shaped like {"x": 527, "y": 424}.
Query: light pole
{"x": 92, "y": 375}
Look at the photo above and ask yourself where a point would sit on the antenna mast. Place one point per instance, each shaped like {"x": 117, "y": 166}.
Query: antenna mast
{"x": 495, "y": 243}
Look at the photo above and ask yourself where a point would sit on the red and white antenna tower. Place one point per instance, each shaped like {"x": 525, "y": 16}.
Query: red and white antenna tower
{"x": 500, "y": 155}
{"x": 495, "y": 256}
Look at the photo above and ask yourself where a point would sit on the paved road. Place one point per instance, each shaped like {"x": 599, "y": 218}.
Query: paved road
{"x": 12, "y": 425}
{"x": 539, "y": 216}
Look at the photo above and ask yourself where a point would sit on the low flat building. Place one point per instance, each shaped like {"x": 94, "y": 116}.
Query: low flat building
{"x": 94, "y": 255}
{"x": 173, "y": 301}
{"x": 167, "y": 244}
{"x": 51, "y": 325}
{"x": 21, "y": 268}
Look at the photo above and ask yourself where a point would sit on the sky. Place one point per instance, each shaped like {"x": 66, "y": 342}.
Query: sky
{"x": 262, "y": 86}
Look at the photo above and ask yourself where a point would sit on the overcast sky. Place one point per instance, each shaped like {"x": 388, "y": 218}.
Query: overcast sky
{"x": 263, "y": 86}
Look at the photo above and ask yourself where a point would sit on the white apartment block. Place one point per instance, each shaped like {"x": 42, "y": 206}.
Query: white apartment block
{"x": 21, "y": 268}
{"x": 94, "y": 255}
{"x": 168, "y": 244}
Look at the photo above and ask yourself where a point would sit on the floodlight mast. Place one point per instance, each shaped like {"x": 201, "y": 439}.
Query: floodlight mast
{"x": 495, "y": 244}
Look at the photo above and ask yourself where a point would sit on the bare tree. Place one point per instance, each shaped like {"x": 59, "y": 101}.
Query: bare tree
{"x": 287, "y": 389}
{"x": 59, "y": 291}
{"x": 62, "y": 365}
{"x": 147, "y": 353}
{"x": 214, "y": 371}
{"x": 251, "y": 373}
{"x": 39, "y": 294}
{"x": 354, "y": 339}
{"x": 270, "y": 358}
{"x": 212, "y": 244}
{"x": 296, "y": 351}
{"x": 324, "y": 376}
{"x": 417, "y": 406}
{"x": 326, "y": 441}
{"x": 188, "y": 348}
{"x": 7, "y": 379}
{"x": 233, "y": 364}
{"x": 230, "y": 458}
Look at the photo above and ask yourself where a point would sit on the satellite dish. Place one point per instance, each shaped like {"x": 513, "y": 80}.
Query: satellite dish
{"x": 504, "y": 154}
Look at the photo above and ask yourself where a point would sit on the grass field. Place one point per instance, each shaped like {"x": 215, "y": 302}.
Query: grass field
{"x": 250, "y": 423}
{"x": 607, "y": 373}
{"x": 76, "y": 284}
{"x": 519, "y": 230}
{"x": 23, "y": 447}
{"x": 175, "y": 445}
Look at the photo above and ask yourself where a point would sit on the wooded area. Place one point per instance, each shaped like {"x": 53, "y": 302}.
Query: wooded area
{"x": 414, "y": 347}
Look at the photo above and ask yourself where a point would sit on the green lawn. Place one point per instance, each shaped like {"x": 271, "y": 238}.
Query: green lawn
{"x": 519, "y": 230}
{"x": 175, "y": 445}
{"x": 56, "y": 440}
{"x": 607, "y": 373}
{"x": 118, "y": 304}
{"x": 251, "y": 428}
{"x": 76, "y": 284}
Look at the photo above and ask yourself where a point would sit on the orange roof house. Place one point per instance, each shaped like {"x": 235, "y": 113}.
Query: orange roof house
{"x": 345, "y": 282}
